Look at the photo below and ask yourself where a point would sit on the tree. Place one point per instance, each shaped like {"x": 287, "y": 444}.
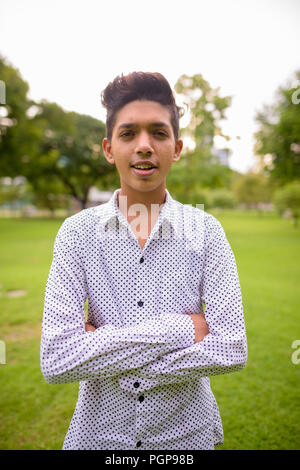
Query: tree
{"x": 18, "y": 135}
{"x": 15, "y": 192}
{"x": 288, "y": 197}
{"x": 223, "y": 198}
{"x": 207, "y": 109}
{"x": 252, "y": 188}
{"x": 278, "y": 138}
{"x": 70, "y": 152}
{"x": 50, "y": 193}
{"x": 54, "y": 149}
{"x": 197, "y": 169}
{"x": 193, "y": 172}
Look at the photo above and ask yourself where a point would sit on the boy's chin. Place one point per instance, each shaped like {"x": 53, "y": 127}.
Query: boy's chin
{"x": 143, "y": 186}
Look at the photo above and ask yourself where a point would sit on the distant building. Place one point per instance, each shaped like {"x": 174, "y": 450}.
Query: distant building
{"x": 222, "y": 156}
{"x": 96, "y": 197}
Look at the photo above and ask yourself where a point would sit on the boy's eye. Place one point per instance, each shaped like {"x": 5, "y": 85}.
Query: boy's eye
{"x": 126, "y": 134}
{"x": 131, "y": 133}
{"x": 161, "y": 133}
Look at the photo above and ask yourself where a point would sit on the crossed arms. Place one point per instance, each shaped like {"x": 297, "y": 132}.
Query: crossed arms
{"x": 170, "y": 348}
{"x": 200, "y": 326}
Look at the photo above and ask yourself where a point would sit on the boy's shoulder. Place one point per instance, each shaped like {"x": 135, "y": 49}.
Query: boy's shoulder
{"x": 83, "y": 222}
{"x": 196, "y": 213}
{"x": 80, "y": 217}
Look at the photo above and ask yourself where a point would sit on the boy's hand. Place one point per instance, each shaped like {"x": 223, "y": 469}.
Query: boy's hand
{"x": 201, "y": 327}
{"x": 89, "y": 327}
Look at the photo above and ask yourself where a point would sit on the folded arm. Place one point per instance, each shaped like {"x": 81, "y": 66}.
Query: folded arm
{"x": 224, "y": 348}
{"x": 69, "y": 353}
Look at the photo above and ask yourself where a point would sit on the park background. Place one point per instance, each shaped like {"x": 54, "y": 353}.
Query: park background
{"x": 235, "y": 69}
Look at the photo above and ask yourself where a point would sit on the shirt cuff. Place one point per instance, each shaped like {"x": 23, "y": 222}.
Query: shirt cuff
{"x": 182, "y": 330}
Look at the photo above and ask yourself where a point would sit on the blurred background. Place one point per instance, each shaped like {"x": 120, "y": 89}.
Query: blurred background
{"x": 234, "y": 67}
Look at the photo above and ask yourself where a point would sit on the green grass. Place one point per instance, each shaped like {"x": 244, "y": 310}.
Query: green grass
{"x": 259, "y": 405}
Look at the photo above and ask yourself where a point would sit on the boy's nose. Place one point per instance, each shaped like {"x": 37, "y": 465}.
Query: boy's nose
{"x": 144, "y": 145}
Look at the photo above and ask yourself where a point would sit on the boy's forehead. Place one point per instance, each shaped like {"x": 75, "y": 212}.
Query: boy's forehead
{"x": 143, "y": 113}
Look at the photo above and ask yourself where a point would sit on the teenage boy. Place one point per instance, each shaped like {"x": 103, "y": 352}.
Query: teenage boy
{"x": 164, "y": 302}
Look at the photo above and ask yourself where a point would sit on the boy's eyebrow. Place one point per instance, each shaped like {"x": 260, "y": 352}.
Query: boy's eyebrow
{"x": 159, "y": 124}
{"x": 130, "y": 125}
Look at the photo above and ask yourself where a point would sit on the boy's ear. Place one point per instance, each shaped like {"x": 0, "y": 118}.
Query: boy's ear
{"x": 178, "y": 148}
{"x": 107, "y": 149}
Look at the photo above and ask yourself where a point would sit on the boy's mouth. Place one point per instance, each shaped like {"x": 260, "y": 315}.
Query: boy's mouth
{"x": 143, "y": 169}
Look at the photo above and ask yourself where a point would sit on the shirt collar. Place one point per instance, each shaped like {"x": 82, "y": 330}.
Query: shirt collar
{"x": 111, "y": 210}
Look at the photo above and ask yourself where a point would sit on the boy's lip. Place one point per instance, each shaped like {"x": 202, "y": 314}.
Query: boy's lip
{"x": 144, "y": 162}
{"x": 139, "y": 172}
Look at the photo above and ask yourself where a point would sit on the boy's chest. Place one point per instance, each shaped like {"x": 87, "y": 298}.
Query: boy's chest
{"x": 165, "y": 278}
{"x": 142, "y": 228}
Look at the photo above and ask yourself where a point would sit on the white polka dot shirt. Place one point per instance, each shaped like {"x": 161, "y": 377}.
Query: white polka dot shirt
{"x": 144, "y": 383}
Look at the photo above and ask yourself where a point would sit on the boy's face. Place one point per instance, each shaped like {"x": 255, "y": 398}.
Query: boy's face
{"x": 142, "y": 134}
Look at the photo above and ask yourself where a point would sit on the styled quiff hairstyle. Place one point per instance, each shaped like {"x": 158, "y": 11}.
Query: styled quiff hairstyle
{"x": 139, "y": 86}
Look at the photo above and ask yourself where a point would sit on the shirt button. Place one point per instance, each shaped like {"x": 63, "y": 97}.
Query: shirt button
{"x": 141, "y": 260}
{"x": 141, "y": 398}
{"x": 138, "y": 444}
{"x": 140, "y": 303}
{"x": 136, "y": 384}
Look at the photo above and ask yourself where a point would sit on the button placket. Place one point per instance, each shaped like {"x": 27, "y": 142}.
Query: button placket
{"x": 140, "y": 410}
{"x": 140, "y": 282}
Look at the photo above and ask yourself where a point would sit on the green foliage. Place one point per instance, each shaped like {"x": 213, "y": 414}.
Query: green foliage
{"x": 223, "y": 198}
{"x": 199, "y": 197}
{"x": 70, "y": 153}
{"x": 278, "y": 137}
{"x": 197, "y": 171}
{"x": 59, "y": 152}
{"x": 288, "y": 197}
{"x": 194, "y": 173}
{"x": 9, "y": 194}
{"x": 206, "y": 106}
{"x": 50, "y": 193}
{"x": 252, "y": 188}
{"x": 15, "y": 192}
{"x": 17, "y": 133}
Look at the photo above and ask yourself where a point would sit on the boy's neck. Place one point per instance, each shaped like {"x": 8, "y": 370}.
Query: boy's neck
{"x": 142, "y": 219}
{"x": 147, "y": 198}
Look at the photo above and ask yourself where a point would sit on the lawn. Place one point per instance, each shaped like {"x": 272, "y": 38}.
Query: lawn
{"x": 259, "y": 405}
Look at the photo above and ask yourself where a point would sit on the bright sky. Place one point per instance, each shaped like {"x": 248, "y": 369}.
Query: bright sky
{"x": 68, "y": 50}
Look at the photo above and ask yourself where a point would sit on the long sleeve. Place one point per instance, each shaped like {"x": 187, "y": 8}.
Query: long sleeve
{"x": 224, "y": 349}
{"x": 68, "y": 352}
